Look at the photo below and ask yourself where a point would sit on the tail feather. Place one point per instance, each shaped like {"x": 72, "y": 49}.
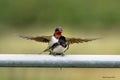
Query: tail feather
{"x": 46, "y": 50}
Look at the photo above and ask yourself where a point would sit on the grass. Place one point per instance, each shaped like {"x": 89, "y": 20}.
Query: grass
{"x": 57, "y": 74}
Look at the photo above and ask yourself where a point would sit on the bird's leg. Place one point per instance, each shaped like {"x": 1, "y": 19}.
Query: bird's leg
{"x": 50, "y": 52}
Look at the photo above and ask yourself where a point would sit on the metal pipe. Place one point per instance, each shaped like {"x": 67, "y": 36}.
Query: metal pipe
{"x": 67, "y": 61}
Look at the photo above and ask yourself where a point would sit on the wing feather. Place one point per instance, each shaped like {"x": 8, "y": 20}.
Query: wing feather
{"x": 45, "y": 39}
{"x": 79, "y": 40}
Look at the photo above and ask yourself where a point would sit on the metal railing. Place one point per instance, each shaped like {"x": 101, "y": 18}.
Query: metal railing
{"x": 67, "y": 61}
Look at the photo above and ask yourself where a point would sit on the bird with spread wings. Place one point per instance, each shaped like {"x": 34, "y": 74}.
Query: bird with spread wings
{"x": 57, "y": 43}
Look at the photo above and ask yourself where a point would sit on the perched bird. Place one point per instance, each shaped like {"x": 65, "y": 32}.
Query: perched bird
{"x": 57, "y": 43}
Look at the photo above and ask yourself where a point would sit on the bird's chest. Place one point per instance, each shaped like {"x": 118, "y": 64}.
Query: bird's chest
{"x": 53, "y": 41}
{"x": 59, "y": 49}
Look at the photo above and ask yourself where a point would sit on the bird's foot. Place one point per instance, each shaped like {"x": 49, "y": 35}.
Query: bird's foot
{"x": 57, "y": 54}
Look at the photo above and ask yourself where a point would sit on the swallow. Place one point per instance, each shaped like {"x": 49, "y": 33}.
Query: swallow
{"x": 57, "y": 43}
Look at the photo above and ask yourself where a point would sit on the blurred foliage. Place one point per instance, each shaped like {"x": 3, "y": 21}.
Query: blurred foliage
{"x": 68, "y": 12}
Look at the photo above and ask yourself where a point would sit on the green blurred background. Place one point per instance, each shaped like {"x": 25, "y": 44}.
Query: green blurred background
{"x": 78, "y": 18}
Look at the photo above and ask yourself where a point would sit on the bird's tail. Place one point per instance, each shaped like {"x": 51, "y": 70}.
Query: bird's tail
{"x": 46, "y": 50}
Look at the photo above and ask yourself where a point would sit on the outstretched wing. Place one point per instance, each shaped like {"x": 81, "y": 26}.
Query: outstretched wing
{"x": 79, "y": 40}
{"x": 45, "y": 39}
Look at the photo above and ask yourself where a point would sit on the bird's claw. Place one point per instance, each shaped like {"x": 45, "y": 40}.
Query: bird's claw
{"x": 57, "y": 54}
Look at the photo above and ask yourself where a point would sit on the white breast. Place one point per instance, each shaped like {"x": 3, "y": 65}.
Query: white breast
{"x": 53, "y": 40}
{"x": 60, "y": 49}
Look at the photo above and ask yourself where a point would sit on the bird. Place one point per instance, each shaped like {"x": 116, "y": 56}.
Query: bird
{"x": 57, "y": 43}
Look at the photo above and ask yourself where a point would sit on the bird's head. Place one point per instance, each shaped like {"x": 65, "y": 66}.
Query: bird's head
{"x": 58, "y": 32}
